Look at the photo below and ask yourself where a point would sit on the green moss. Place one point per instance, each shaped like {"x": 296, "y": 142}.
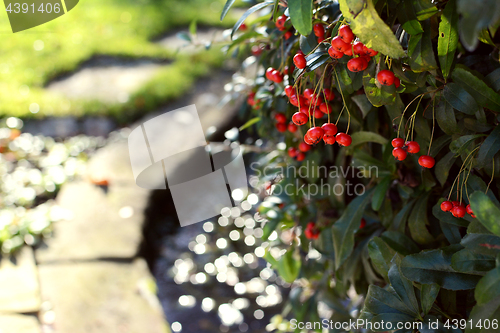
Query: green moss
{"x": 123, "y": 28}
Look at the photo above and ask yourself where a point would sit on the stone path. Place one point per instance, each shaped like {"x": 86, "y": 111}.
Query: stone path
{"x": 88, "y": 277}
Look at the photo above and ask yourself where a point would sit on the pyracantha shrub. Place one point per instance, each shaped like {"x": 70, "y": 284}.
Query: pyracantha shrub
{"x": 396, "y": 108}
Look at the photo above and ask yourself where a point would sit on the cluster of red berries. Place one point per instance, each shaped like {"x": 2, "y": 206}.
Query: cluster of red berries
{"x": 281, "y": 123}
{"x": 343, "y": 44}
{"x": 319, "y": 31}
{"x": 274, "y": 75}
{"x": 280, "y": 24}
{"x": 456, "y": 208}
{"x": 311, "y": 232}
{"x": 299, "y": 153}
{"x": 401, "y": 148}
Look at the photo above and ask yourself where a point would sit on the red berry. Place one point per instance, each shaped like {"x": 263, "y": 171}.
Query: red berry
{"x": 457, "y": 203}
{"x": 321, "y": 39}
{"x": 412, "y": 147}
{"x": 325, "y": 108}
{"x": 329, "y": 129}
{"x": 300, "y": 156}
{"x": 399, "y": 153}
{"x": 256, "y": 50}
{"x": 329, "y": 139}
{"x": 446, "y": 206}
{"x": 315, "y": 134}
{"x": 288, "y": 34}
{"x": 385, "y": 77}
{"x": 318, "y": 114}
{"x": 280, "y": 117}
{"x": 358, "y": 48}
{"x": 308, "y": 93}
{"x": 329, "y": 95}
{"x": 281, "y": 127}
{"x": 300, "y": 61}
{"x": 469, "y": 210}
{"x": 348, "y": 52}
{"x": 345, "y": 33}
{"x": 280, "y": 22}
{"x": 397, "y": 82}
{"x": 243, "y": 27}
{"x": 292, "y": 152}
{"x": 304, "y": 147}
{"x": 426, "y": 161}
{"x": 319, "y": 30}
{"x": 292, "y": 127}
{"x": 398, "y": 142}
{"x": 369, "y": 52}
{"x": 316, "y": 100}
{"x": 277, "y": 76}
{"x": 344, "y": 139}
{"x": 299, "y": 118}
{"x": 305, "y": 110}
{"x": 308, "y": 233}
{"x": 269, "y": 74}
{"x": 308, "y": 140}
{"x": 339, "y": 45}
{"x": 288, "y": 90}
{"x": 362, "y": 224}
{"x": 334, "y": 53}
{"x": 458, "y": 211}
{"x": 357, "y": 64}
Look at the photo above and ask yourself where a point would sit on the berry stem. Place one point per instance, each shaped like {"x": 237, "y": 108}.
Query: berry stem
{"x": 492, "y": 175}
{"x": 345, "y": 105}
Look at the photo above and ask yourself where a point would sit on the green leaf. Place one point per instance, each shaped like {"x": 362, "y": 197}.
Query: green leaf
{"x": 393, "y": 318}
{"x": 425, "y": 9}
{"x": 421, "y": 52}
{"x": 226, "y": 8}
{"x": 363, "y": 104}
{"x": 493, "y": 79}
{"x": 288, "y": 265}
{"x": 249, "y": 12}
{"x": 362, "y": 137}
{"x": 467, "y": 261}
{"x": 380, "y": 192}
{"x": 487, "y": 295}
{"x": 445, "y": 116}
{"x": 418, "y": 220}
{"x": 250, "y": 123}
{"x": 376, "y": 94}
{"x": 343, "y": 230}
{"x": 381, "y": 255}
{"x": 402, "y": 216}
{"x": 482, "y": 243}
{"x": 428, "y": 294}
{"x": 484, "y": 95}
{"x": 460, "y": 99}
{"x": 443, "y": 167}
{"x": 451, "y": 232}
{"x": 379, "y": 301}
{"x": 301, "y": 15}
{"x": 461, "y": 144}
{"x": 489, "y": 147}
{"x": 370, "y": 28}
{"x": 403, "y": 286}
{"x": 434, "y": 266}
{"x": 400, "y": 242}
{"x": 307, "y": 44}
{"x": 476, "y": 16}
{"x": 448, "y": 37}
{"x": 486, "y": 212}
{"x": 406, "y": 15}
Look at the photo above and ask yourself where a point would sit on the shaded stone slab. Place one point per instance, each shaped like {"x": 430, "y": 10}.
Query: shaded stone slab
{"x": 19, "y": 289}
{"x": 105, "y": 297}
{"x": 16, "y": 323}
